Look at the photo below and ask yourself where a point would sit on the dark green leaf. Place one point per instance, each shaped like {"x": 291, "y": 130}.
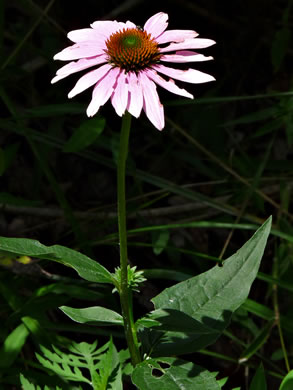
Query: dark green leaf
{"x": 172, "y": 374}
{"x": 277, "y": 355}
{"x": 10, "y": 153}
{"x": 289, "y": 128}
{"x": 85, "y": 135}
{"x": 268, "y": 127}
{"x": 53, "y": 110}
{"x": 260, "y": 115}
{"x": 7, "y": 198}
{"x": 2, "y": 162}
{"x": 280, "y": 46}
{"x": 259, "y": 380}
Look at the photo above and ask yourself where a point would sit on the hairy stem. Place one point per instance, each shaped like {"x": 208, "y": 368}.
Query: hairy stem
{"x": 125, "y": 293}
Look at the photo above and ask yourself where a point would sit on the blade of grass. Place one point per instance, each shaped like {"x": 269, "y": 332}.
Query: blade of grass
{"x": 151, "y": 179}
{"x": 266, "y": 313}
{"x": 224, "y": 166}
{"x": 233, "y": 360}
{"x": 227, "y": 99}
{"x": 50, "y": 177}
{"x": 249, "y": 193}
{"x": 257, "y": 342}
{"x": 27, "y": 35}
{"x": 58, "y": 193}
{"x": 238, "y": 341}
{"x": 196, "y": 224}
{"x": 37, "y": 10}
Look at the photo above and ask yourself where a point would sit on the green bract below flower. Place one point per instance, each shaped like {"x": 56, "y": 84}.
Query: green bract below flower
{"x": 134, "y": 278}
{"x": 130, "y": 63}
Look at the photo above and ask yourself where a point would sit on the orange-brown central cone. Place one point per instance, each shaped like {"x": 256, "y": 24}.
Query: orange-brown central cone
{"x": 132, "y": 49}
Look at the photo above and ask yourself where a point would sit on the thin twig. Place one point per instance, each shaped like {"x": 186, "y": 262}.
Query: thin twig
{"x": 51, "y": 212}
{"x": 226, "y": 167}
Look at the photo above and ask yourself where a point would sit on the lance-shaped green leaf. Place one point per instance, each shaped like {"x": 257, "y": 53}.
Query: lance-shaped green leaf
{"x": 95, "y": 315}
{"x": 86, "y": 267}
{"x": 259, "y": 380}
{"x": 196, "y": 311}
{"x": 172, "y": 374}
{"x": 85, "y": 135}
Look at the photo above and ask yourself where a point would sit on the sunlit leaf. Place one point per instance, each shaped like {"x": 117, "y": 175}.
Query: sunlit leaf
{"x": 96, "y": 315}
{"x": 12, "y": 345}
{"x": 287, "y": 382}
{"x": 26, "y": 385}
{"x": 86, "y": 267}
{"x": 202, "y": 306}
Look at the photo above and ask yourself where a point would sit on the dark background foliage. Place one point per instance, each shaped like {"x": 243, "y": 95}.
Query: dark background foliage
{"x": 227, "y": 155}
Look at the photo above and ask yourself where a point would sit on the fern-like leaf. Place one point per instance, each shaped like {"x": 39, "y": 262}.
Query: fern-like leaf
{"x": 26, "y": 385}
{"x": 63, "y": 370}
{"x": 103, "y": 364}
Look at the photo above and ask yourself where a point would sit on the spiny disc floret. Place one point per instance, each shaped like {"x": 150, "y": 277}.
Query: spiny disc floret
{"x": 132, "y": 49}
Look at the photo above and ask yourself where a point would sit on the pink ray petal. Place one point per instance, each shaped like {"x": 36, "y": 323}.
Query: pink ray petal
{"x": 189, "y": 75}
{"x": 77, "y": 66}
{"x": 102, "y": 91}
{"x": 135, "y": 100}
{"x": 119, "y": 97}
{"x": 176, "y": 36}
{"x": 156, "y": 24}
{"x": 105, "y": 24}
{"x": 81, "y": 50}
{"x": 130, "y": 24}
{"x": 84, "y": 34}
{"x": 108, "y": 27}
{"x": 169, "y": 85}
{"x": 89, "y": 79}
{"x": 152, "y": 106}
{"x": 196, "y": 43}
{"x": 185, "y": 56}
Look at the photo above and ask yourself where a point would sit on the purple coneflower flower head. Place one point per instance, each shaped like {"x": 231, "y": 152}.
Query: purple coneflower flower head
{"x": 129, "y": 61}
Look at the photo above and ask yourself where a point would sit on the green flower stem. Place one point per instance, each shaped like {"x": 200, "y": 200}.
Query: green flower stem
{"x": 125, "y": 293}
